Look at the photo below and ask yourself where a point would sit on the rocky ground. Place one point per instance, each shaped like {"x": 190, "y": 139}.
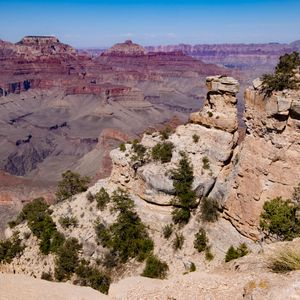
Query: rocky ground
{"x": 245, "y": 278}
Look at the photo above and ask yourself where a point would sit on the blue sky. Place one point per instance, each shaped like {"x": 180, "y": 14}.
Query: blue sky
{"x": 93, "y": 23}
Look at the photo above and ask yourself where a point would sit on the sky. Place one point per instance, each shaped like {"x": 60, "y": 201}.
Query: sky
{"x": 93, "y": 23}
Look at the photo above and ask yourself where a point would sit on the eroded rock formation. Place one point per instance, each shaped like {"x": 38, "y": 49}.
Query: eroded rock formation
{"x": 220, "y": 110}
{"x": 267, "y": 164}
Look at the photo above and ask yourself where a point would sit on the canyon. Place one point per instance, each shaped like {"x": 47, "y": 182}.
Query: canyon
{"x": 108, "y": 116}
{"x": 241, "y": 175}
{"x": 61, "y": 109}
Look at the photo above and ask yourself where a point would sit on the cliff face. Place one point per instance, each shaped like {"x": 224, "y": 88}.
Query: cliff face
{"x": 242, "y": 56}
{"x": 268, "y": 159}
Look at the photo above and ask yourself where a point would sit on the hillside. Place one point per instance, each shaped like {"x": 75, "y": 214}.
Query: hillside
{"x": 227, "y": 180}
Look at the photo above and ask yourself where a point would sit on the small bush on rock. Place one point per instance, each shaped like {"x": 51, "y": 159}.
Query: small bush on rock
{"x": 90, "y": 197}
{"x": 234, "y": 253}
{"x": 67, "y": 259}
{"x": 209, "y": 210}
{"x": 165, "y": 133}
{"x": 10, "y": 248}
{"x": 283, "y": 78}
{"x": 155, "y": 268}
{"x": 139, "y": 151}
{"x": 91, "y": 276}
{"x": 46, "y": 276}
{"x": 167, "y": 231}
{"x": 122, "y": 147}
{"x": 201, "y": 240}
{"x": 103, "y": 234}
{"x": 195, "y": 138}
{"x": 71, "y": 184}
{"x": 67, "y": 222}
{"x": 102, "y": 199}
{"x": 178, "y": 241}
{"x": 279, "y": 218}
{"x": 205, "y": 162}
{"x": 163, "y": 152}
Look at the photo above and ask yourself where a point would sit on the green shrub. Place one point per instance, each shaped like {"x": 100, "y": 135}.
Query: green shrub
{"x": 195, "y": 138}
{"x": 288, "y": 259}
{"x": 205, "y": 163}
{"x": 234, "y": 253}
{"x": 162, "y": 152}
{"x": 10, "y": 248}
{"x": 185, "y": 197}
{"x": 90, "y": 197}
{"x": 67, "y": 222}
{"x": 102, "y": 199}
{"x": 283, "y": 78}
{"x": 208, "y": 255}
{"x": 91, "y": 276}
{"x": 110, "y": 260}
{"x": 209, "y": 210}
{"x": 32, "y": 210}
{"x": 71, "y": 184}
{"x": 57, "y": 241}
{"x": 155, "y": 268}
{"x": 139, "y": 150}
{"x": 210, "y": 114}
{"x": 201, "y": 240}
{"x": 46, "y": 276}
{"x": 165, "y": 133}
{"x": 44, "y": 230}
{"x": 167, "y": 231}
{"x": 178, "y": 241}
{"x": 121, "y": 201}
{"x": 279, "y": 218}
{"x": 122, "y": 147}
{"x": 192, "y": 267}
{"x": 40, "y": 223}
{"x": 103, "y": 234}
{"x": 181, "y": 216}
{"x": 128, "y": 235}
{"x": 67, "y": 259}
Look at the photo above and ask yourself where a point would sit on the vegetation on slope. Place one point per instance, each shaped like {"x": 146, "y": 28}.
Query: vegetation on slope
{"x": 234, "y": 253}
{"x": 10, "y": 248}
{"x": 279, "y": 219}
{"x": 185, "y": 198}
{"x": 284, "y": 75}
{"x": 127, "y": 237}
{"x": 162, "y": 152}
{"x": 155, "y": 268}
{"x": 70, "y": 185}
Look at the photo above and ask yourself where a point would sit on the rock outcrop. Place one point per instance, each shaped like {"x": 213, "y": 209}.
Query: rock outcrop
{"x": 267, "y": 164}
{"x": 220, "y": 110}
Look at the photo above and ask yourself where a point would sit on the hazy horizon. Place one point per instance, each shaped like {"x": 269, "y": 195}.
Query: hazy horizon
{"x": 97, "y": 24}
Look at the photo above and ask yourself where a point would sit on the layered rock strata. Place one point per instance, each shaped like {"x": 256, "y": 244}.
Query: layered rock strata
{"x": 267, "y": 164}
